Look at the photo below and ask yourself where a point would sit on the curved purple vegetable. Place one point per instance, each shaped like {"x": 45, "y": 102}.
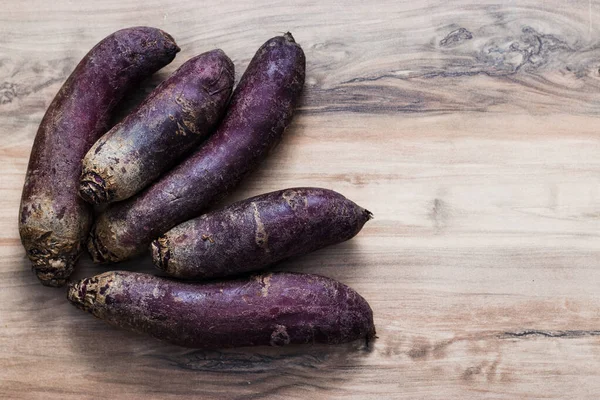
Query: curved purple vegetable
{"x": 258, "y": 232}
{"x": 174, "y": 118}
{"x": 53, "y": 220}
{"x": 274, "y": 309}
{"x": 261, "y": 108}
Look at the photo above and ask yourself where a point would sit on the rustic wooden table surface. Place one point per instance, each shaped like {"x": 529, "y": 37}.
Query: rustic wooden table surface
{"x": 469, "y": 128}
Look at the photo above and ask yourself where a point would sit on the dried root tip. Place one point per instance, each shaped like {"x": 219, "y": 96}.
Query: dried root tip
{"x": 372, "y": 334}
{"x": 170, "y": 40}
{"x": 90, "y": 294}
{"x": 288, "y": 36}
{"x": 52, "y": 261}
{"x": 54, "y": 274}
{"x": 83, "y": 293}
{"x": 161, "y": 253}
{"x": 78, "y": 292}
{"x": 93, "y": 189}
{"x": 371, "y": 337}
{"x": 100, "y": 254}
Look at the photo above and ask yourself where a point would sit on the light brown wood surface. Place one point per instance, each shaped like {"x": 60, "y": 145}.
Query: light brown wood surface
{"x": 469, "y": 128}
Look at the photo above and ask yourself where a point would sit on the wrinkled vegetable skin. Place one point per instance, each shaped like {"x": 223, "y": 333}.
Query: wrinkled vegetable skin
{"x": 262, "y": 106}
{"x": 175, "y": 117}
{"x": 53, "y": 220}
{"x": 258, "y": 232}
{"x": 275, "y": 309}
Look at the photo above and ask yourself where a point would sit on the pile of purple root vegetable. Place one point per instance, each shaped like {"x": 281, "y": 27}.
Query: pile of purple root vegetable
{"x": 155, "y": 173}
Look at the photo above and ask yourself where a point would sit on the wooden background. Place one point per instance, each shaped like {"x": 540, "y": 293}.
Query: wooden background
{"x": 469, "y": 128}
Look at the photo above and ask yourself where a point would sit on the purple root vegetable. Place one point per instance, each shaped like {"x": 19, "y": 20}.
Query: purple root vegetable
{"x": 258, "y": 232}
{"x": 274, "y": 309}
{"x": 261, "y": 108}
{"x": 175, "y": 117}
{"x": 53, "y": 220}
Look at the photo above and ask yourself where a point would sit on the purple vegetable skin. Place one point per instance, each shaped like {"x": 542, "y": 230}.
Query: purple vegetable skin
{"x": 257, "y": 232}
{"x": 175, "y": 117}
{"x": 274, "y": 309}
{"x": 261, "y": 108}
{"x": 53, "y": 220}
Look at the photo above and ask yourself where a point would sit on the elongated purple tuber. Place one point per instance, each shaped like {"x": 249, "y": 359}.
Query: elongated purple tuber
{"x": 274, "y": 309}
{"x": 257, "y": 232}
{"x": 53, "y": 220}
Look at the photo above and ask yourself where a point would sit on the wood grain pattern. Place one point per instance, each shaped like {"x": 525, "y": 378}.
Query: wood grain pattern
{"x": 468, "y": 127}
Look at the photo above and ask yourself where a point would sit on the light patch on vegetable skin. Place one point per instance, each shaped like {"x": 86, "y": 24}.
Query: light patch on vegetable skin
{"x": 260, "y": 235}
{"x": 161, "y": 253}
{"x": 180, "y": 130}
{"x": 295, "y": 199}
{"x": 265, "y": 284}
{"x": 178, "y": 299}
{"x": 206, "y": 237}
{"x": 189, "y": 115}
{"x": 158, "y": 292}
